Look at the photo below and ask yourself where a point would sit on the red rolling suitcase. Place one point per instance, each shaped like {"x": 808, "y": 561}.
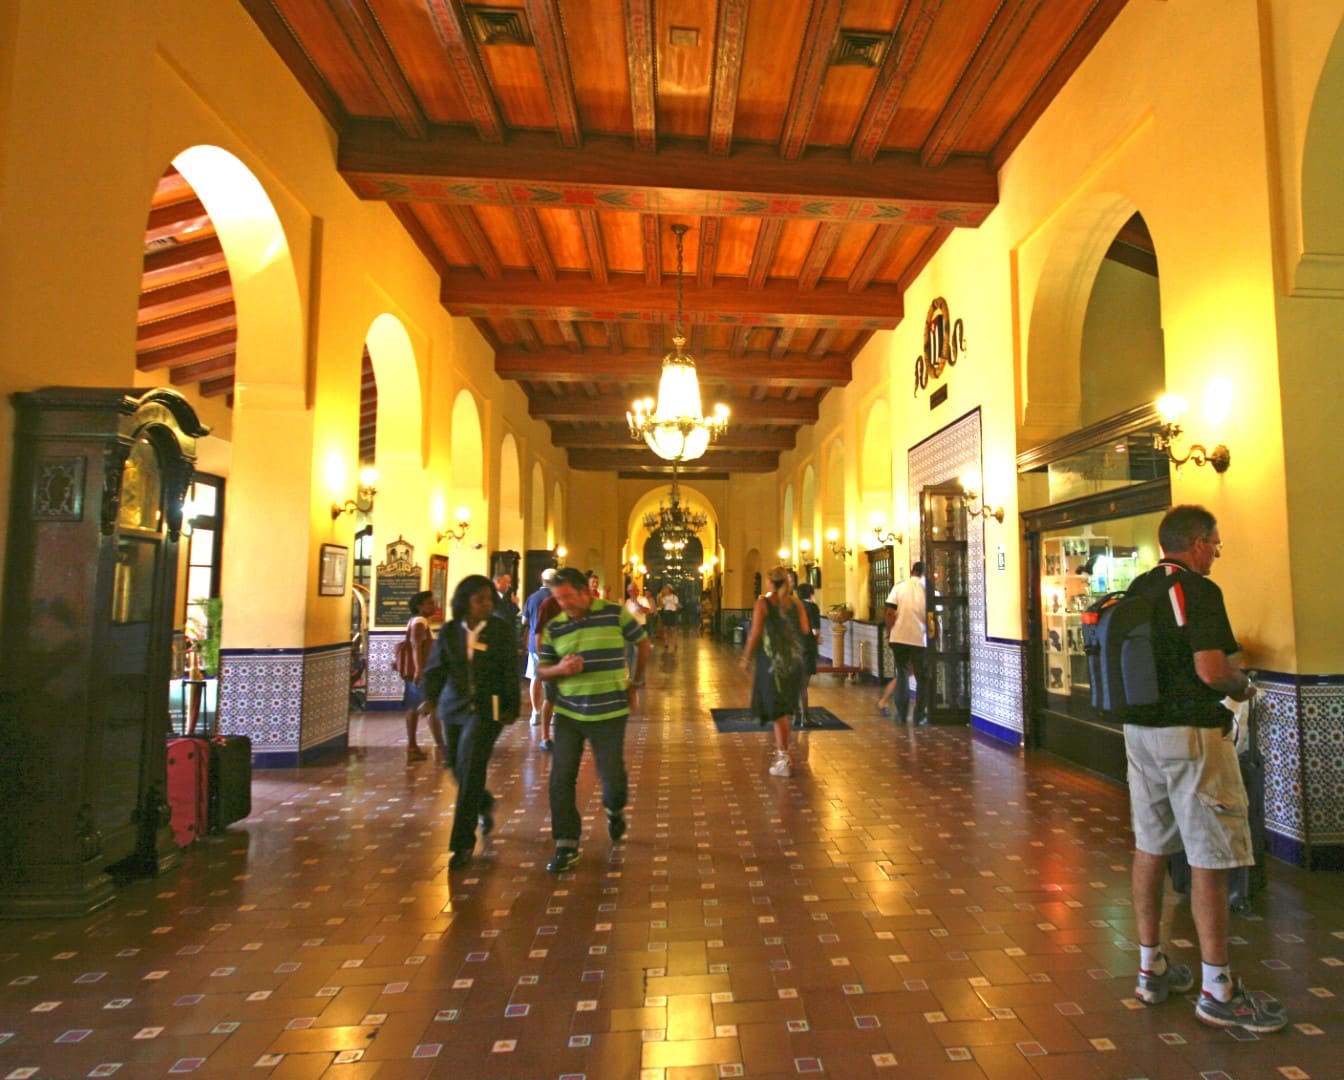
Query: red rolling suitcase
{"x": 189, "y": 788}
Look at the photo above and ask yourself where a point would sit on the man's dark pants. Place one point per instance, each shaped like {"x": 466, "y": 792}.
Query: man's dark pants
{"x": 608, "y": 741}
{"x": 905, "y": 658}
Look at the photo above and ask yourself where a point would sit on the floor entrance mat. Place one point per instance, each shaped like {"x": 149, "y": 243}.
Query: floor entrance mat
{"x": 730, "y": 720}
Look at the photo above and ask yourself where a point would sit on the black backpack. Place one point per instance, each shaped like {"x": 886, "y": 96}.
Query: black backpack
{"x": 1121, "y": 665}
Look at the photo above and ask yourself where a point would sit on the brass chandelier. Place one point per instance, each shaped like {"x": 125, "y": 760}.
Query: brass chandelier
{"x": 675, "y": 523}
{"x": 674, "y": 426}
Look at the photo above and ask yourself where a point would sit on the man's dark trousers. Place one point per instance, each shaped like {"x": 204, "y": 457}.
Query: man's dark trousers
{"x": 608, "y": 741}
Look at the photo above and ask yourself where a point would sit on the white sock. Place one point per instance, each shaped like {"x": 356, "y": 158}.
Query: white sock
{"x": 1151, "y": 959}
{"x": 1218, "y": 981}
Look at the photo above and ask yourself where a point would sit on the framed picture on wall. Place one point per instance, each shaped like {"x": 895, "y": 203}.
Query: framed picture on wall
{"x": 438, "y": 583}
{"x": 331, "y": 570}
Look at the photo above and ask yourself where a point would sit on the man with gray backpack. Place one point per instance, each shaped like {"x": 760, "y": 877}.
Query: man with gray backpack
{"x": 1185, "y": 784}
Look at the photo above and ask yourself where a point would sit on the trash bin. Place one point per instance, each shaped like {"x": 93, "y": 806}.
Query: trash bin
{"x": 740, "y": 635}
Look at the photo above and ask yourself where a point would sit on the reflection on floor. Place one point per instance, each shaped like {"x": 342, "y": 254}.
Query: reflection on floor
{"x": 913, "y": 902}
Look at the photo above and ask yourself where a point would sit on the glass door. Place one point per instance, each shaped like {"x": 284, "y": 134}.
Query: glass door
{"x": 943, "y": 525}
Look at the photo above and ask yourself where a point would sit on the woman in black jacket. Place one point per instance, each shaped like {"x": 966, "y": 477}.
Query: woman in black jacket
{"x": 472, "y": 675}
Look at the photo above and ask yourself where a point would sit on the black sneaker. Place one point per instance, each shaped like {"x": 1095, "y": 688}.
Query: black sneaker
{"x": 460, "y": 860}
{"x": 616, "y": 826}
{"x": 487, "y": 822}
{"x": 564, "y": 859}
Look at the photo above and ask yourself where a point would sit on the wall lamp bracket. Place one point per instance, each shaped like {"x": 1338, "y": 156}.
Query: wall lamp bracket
{"x": 971, "y": 493}
{"x": 1220, "y": 457}
{"x": 363, "y": 500}
{"x": 838, "y": 549}
{"x": 463, "y": 524}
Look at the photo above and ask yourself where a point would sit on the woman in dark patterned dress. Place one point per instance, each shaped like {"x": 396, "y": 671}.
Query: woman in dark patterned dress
{"x": 779, "y": 628}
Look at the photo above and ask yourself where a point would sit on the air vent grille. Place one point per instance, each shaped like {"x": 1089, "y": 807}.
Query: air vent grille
{"x": 860, "y": 48}
{"x": 498, "y": 26}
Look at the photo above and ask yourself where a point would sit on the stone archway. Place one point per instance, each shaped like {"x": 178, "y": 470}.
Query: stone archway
{"x": 510, "y": 512}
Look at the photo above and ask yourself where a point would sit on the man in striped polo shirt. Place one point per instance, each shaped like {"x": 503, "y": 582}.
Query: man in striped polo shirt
{"x": 583, "y": 651}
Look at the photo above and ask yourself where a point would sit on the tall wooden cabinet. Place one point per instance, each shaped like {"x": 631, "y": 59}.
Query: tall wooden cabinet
{"x": 100, "y": 477}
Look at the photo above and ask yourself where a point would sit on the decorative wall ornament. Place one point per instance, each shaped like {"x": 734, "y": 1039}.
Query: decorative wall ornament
{"x": 944, "y": 342}
{"x": 58, "y": 493}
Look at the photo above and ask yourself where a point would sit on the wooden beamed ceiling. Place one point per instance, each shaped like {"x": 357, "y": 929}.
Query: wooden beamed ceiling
{"x": 538, "y": 151}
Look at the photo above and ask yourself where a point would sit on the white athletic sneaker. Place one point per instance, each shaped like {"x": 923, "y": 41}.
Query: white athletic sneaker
{"x": 536, "y": 719}
{"x": 782, "y": 765}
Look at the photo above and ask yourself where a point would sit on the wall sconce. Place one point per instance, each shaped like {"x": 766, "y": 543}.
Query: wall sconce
{"x": 1170, "y": 407}
{"x": 837, "y": 549}
{"x": 463, "y": 524}
{"x": 785, "y": 558}
{"x": 884, "y": 536}
{"x": 363, "y": 500}
{"x": 805, "y": 553}
{"x": 560, "y": 552}
{"x": 970, "y": 492}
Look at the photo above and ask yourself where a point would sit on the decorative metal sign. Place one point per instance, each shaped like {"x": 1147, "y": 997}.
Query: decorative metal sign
{"x": 397, "y": 580}
{"x": 944, "y": 342}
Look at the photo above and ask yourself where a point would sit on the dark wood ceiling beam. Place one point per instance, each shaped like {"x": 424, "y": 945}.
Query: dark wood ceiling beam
{"x": 466, "y": 65}
{"x": 641, "y": 60}
{"x": 585, "y": 435}
{"x": 821, "y": 344}
{"x": 365, "y": 37}
{"x": 190, "y": 324}
{"x": 527, "y": 334}
{"x": 482, "y": 251}
{"x": 735, "y": 461}
{"x": 196, "y": 257}
{"x": 708, "y": 253}
{"x": 819, "y": 254}
{"x": 516, "y": 294}
{"x": 783, "y": 339}
{"x": 174, "y": 216}
{"x": 728, "y": 44}
{"x": 758, "y": 393}
{"x": 1002, "y": 37}
{"x": 285, "y": 42}
{"x": 591, "y": 226}
{"x": 448, "y": 167}
{"x": 216, "y": 387}
{"x": 927, "y": 251}
{"x": 651, "y": 238}
{"x": 739, "y": 344}
{"x": 575, "y": 410}
{"x": 420, "y": 236}
{"x": 763, "y": 254}
{"x": 726, "y": 368}
{"x": 203, "y": 290}
{"x": 791, "y": 393}
{"x": 188, "y": 352}
{"x": 548, "y": 41}
{"x": 874, "y": 257}
{"x": 529, "y": 225}
{"x": 894, "y": 76}
{"x": 570, "y": 333}
{"x": 1098, "y": 20}
{"x": 822, "y": 25}
{"x": 615, "y": 341}
{"x": 190, "y": 373}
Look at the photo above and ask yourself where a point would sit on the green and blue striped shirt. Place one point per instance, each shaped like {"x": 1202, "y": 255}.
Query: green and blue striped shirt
{"x": 598, "y": 692}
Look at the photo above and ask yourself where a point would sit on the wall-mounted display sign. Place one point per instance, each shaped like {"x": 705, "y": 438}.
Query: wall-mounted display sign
{"x": 397, "y": 580}
{"x": 944, "y": 342}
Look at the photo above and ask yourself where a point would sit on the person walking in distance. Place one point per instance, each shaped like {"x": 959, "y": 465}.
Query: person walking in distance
{"x": 531, "y": 608}
{"x": 778, "y": 629}
{"x": 669, "y": 608}
{"x": 639, "y": 611}
{"x": 811, "y": 652}
{"x": 583, "y": 650}
{"x": 422, "y": 608}
{"x": 907, "y": 624}
{"x": 1185, "y": 784}
{"x": 473, "y": 676}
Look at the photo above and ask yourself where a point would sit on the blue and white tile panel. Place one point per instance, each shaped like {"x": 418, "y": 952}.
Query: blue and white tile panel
{"x": 997, "y": 681}
{"x": 287, "y": 701}
{"x": 385, "y": 685}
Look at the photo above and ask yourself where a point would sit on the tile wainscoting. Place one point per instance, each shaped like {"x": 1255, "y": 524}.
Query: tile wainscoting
{"x": 294, "y": 704}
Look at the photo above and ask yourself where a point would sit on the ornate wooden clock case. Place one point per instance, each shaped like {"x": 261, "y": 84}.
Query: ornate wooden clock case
{"x": 100, "y": 478}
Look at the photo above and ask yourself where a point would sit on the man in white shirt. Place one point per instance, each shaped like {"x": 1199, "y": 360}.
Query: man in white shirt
{"x": 906, "y": 627}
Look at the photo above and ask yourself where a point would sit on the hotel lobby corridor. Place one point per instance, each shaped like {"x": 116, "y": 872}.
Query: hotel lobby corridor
{"x": 914, "y": 902}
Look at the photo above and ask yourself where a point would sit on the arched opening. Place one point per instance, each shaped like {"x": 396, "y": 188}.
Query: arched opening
{"x": 557, "y": 515}
{"x": 537, "y": 534}
{"x": 1320, "y": 269}
{"x": 807, "y": 510}
{"x": 834, "y": 524}
{"x": 875, "y": 489}
{"x": 786, "y": 525}
{"x": 510, "y": 497}
{"x": 467, "y": 480}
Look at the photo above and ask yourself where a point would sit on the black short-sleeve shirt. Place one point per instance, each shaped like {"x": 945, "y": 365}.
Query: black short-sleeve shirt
{"x": 1188, "y": 617}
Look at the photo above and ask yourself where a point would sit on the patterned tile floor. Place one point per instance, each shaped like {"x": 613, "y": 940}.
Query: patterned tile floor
{"x": 913, "y": 902}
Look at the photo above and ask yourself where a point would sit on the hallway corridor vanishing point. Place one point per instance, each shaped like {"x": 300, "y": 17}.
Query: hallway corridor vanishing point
{"x": 913, "y": 902}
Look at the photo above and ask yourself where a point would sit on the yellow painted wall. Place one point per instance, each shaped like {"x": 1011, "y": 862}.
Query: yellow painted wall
{"x": 115, "y": 91}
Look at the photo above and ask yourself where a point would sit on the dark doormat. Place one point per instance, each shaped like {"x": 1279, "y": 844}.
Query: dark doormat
{"x": 730, "y": 720}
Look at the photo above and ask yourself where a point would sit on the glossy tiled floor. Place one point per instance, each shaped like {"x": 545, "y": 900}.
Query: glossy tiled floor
{"x": 917, "y": 903}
